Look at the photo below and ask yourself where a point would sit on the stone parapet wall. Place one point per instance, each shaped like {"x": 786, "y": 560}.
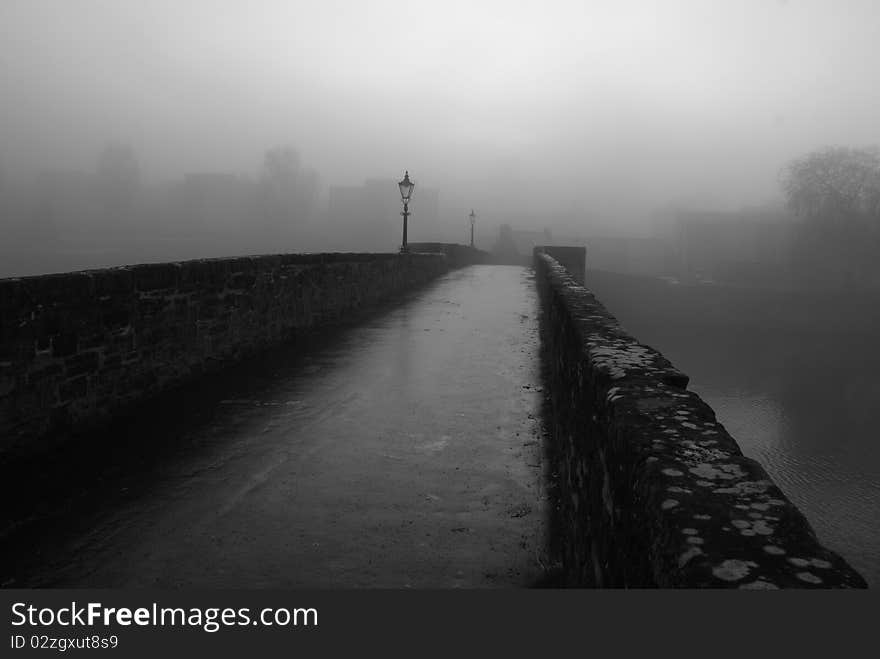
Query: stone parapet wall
{"x": 652, "y": 490}
{"x": 573, "y": 259}
{"x": 77, "y": 347}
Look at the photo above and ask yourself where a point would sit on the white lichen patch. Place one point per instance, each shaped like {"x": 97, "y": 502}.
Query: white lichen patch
{"x": 733, "y": 470}
{"x": 773, "y": 550}
{"x": 746, "y": 488}
{"x": 672, "y": 472}
{"x": 750, "y": 528}
{"x": 703, "y": 517}
{"x": 732, "y": 569}
{"x": 760, "y": 506}
{"x": 688, "y": 555}
{"x": 721, "y": 471}
{"x": 669, "y": 504}
{"x": 702, "y": 453}
{"x": 761, "y": 527}
{"x": 705, "y": 483}
{"x": 689, "y": 425}
{"x": 652, "y": 459}
{"x": 819, "y": 563}
{"x": 617, "y": 359}
{"x": 695, "y": 540}
{"x": 689, "y": 531}
{"x": 680, "y": 490}
{"x": 809, "y": 577}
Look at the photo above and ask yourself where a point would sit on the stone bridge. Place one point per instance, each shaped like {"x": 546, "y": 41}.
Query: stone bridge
{"x": 367, "y": 420}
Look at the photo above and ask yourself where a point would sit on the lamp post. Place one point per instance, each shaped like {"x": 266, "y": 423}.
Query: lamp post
{"x": 406, "y": 187}
{"x": 473, "y": 217}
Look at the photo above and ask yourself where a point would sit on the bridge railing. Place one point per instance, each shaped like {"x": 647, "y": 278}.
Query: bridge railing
{"x": 653, "y": 491}
{"x": 76, "y": 348}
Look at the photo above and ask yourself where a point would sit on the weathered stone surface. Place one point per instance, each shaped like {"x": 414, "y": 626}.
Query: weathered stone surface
{"x": 654, "y": 491}
{"x": 78, "y": 347}
{"x": 573, "y": 259}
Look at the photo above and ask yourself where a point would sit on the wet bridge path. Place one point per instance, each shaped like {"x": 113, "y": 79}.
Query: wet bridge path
{"x": 401, "y": 452}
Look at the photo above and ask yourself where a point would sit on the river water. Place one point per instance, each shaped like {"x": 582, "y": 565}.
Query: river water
{"x": 793, "y": 378}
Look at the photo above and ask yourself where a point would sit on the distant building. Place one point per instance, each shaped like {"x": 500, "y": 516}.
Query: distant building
{"x": 638, "y": 256}
{"x": 734, "y": 247}
{"x": 526, "y": 240}
{"x": 514, "y": 246}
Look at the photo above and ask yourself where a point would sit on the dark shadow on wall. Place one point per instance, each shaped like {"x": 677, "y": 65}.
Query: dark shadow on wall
{"x": 554, "y": 574}
{"x": 54, "y": 491}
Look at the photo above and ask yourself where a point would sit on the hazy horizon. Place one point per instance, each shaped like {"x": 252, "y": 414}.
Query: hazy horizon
{"x": 382, "y": 415}
{"x": 546, "y": 105}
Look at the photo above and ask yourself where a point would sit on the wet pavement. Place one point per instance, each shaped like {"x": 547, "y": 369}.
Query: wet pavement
{"x": 401, "y": 452}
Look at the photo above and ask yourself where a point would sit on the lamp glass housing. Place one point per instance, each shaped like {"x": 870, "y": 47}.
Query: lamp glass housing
{"x": 406, "y": 187}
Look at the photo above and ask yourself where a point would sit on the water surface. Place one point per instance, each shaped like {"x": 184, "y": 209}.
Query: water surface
{"x": 793, "y": 377}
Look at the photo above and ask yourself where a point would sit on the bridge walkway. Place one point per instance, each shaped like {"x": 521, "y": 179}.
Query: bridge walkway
{"x": 401, "y": 452}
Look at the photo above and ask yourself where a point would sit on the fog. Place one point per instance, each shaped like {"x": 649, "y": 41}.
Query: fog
{"x": 583, "y": 116}
{"x": 717, "y": 158}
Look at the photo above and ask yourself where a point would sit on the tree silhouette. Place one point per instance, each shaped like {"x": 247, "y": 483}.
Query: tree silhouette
{"x": 836, "y": 191}
{"x": 835, "y": 184}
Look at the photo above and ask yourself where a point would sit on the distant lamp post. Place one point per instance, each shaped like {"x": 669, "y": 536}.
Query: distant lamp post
{"x": 406, "y": 188}
{"x": 473, "y": 217}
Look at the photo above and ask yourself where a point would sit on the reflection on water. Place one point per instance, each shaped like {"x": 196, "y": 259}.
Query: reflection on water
{"x": 841, "y": 501}
{"x": 802, "y": 400}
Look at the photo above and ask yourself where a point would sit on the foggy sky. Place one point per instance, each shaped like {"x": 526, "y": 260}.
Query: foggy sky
{"x": 560, "y": 103}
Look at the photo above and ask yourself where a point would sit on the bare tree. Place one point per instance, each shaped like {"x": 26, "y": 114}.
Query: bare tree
{"x": 836, "y": 191}
{"x": 835, "y": 184}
